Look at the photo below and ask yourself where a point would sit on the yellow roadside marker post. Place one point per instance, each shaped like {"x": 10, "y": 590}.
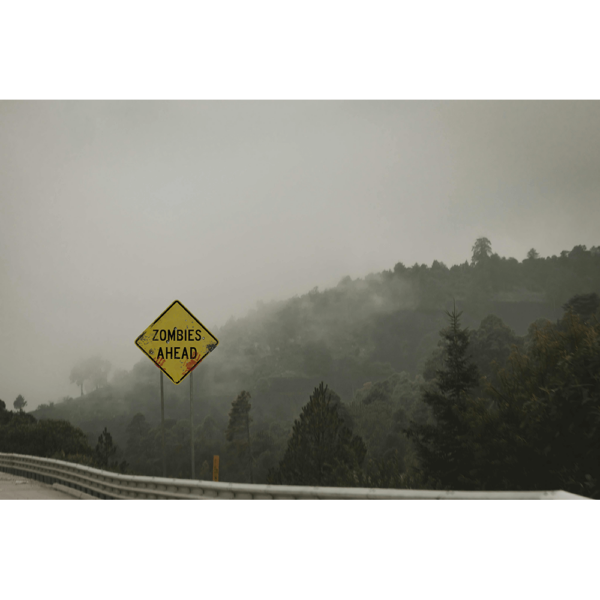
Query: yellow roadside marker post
{"x": 216, "y": 467}
{"x": 176, "y": 343}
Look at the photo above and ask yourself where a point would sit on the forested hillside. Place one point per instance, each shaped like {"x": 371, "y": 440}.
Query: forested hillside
{"x": 375, "y": 342}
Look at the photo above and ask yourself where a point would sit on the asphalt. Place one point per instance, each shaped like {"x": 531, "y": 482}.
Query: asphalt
{"x": 21, "y": 488}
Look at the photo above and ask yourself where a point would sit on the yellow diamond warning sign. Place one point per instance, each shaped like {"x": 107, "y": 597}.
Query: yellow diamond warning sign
{"x": 176, "y": 342}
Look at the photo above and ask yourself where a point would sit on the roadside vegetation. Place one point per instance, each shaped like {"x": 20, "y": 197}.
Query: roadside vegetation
{"x": 481, "y": 376}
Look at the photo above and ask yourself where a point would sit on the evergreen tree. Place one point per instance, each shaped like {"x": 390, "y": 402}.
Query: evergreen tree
{"x": 142, "y": 452}
{"x": 105, "y": 449}
{"x": 443, "y": 448}
{"x": 482, "y": 249}
{"x": 238, "y": 429}
{"x": 322, "y": 451}
{"x": 546, "y": 431}
{"x": 584, "y": 305}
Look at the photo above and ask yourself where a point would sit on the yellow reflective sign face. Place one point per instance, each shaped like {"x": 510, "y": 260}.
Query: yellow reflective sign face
{"x": 176, "y": 342}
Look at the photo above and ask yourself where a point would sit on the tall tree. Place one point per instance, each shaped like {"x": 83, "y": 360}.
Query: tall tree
{"x": 442, "y": 447}
{"x": 93, "y": 369}
{"x": 141, "y": 450}
{"x": 546, "y": 432}
{"x": 322, "y": 449}
{"x": 20, "y": 403}
{"x": 482, "y": 249}
{"x": 105, "y": 449}
{"x": 238, "y": 428}
{"x": 533, "y": 254}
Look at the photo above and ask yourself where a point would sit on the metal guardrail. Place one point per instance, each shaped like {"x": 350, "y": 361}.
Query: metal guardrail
{"x": 108, "y": 485}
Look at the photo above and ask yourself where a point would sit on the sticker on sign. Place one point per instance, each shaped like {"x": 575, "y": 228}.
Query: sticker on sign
{"x": 176, "y": 342}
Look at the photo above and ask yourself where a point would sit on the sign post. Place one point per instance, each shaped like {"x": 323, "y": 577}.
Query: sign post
{"x": 176, "y": 342}
{"x": 192, "y": 425}
{"x": 162, "y": 425}
{"x": 216, "y": 467}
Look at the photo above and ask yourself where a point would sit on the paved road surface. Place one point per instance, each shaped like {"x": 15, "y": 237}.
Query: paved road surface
{"x": 20, "y": 488}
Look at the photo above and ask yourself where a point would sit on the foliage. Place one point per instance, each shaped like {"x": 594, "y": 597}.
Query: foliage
{"x": 387, "y": 472}
{"x": 373, "y": 339}
{"x": 442, "y": 447}
{"x": 537, "y": 429}
{"x": 482, "y": 249}
{"x": 546, "y": 431}
{"x": 238, "y": 428}
{"x": 93, "y": 369}
{"x": 20, "y": 403}
{"x": 105, "y": 449}
{"x": 584, "y": 305}
{"x": 322, "y": 450}
{"x": 22, "y": 433}
{"x": 239, "y": 417}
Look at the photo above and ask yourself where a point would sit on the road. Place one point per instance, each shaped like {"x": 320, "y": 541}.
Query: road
{"x": 13, "y": 487}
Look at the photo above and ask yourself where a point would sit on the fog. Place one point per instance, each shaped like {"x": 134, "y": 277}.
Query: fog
{"x": 109, "y": 211}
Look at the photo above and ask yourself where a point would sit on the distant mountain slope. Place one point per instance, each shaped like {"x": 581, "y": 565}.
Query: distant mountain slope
{"x": 360, "y": 331}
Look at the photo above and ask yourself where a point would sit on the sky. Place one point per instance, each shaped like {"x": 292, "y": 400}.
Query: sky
{"x": 109, "y": 211}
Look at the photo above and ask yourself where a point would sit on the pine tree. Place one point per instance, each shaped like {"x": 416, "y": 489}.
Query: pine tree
{"x": 105, "y": 449}
{"x": 322, "y": 450}
{"x": 238, "y": 429}
{"x": 443, "y": 447}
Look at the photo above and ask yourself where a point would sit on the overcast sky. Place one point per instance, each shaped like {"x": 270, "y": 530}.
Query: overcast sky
{"x": 109, "y": 211}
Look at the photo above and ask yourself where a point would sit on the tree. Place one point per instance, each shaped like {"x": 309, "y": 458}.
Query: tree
{"x": 99, "y": 370}
{"x": 442, "y": 447}
{"x": 141, "y": 450}
{"x": 22, "y": 433}
{"x": 584, "y": 305}
{"x": 2, "y": 405}
{"x": 239, "y": 426}
{"x": 533, "y": 254}
{"x": 94, "y": 369}
{"x": 482, "y": 249}
{"x": 542, "y": 431}
{"x": 546, "y": 432}
{"x": 322, "y": 450}
{"x": 79, "y": 375}
{"x": 491, "y": 345}
{"x": 20, "y": 403}
{"x": 105, "y": 449}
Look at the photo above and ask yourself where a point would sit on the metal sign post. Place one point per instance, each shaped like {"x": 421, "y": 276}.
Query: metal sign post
{"x": 192, "y": 425}
{"x": 176, "y": 343}
{"x": 162, "y": 425}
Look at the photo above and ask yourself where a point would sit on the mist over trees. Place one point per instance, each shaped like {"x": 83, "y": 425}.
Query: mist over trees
{"x": 94, "y": 370}
{"x": 438, "y": 371}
